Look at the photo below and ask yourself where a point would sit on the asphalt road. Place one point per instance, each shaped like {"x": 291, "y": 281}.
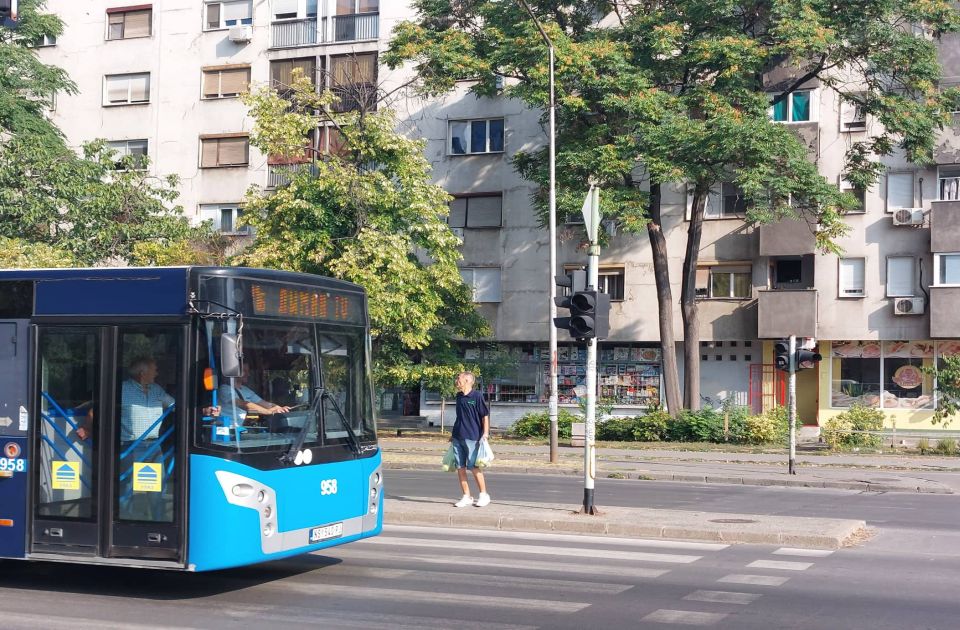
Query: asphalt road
{"x": 427, "y": 578}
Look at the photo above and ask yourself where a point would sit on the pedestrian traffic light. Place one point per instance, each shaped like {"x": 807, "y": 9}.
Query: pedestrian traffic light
{"x": 590, "y": 315}
{"x": 573, "y": 281}
{"x": 805, "y": 359}
{"x": 781, "y": 355}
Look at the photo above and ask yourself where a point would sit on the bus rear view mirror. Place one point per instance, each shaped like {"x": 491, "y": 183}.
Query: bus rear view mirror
{"x": 230, "y": 355}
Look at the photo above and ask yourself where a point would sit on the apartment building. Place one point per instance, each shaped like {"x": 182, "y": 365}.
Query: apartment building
{"x": 162, "y": 80}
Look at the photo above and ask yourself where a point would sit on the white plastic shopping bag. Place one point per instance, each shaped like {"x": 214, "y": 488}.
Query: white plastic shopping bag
{"x": 449, "y": 460}
{"x": 484, "y": 454}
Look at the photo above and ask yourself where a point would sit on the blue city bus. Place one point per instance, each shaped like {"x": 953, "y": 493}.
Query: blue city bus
{"x": 189, "y": 418}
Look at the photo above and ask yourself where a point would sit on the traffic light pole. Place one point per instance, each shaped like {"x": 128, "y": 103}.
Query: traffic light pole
{"x": 590, "y": 432}
{"x": 792, "y": 403}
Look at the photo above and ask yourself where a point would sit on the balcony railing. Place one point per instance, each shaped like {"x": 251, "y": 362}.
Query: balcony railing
{"x": 294, "y": 33}
{"x": 279, "y": 174}
{"x": 945, "y": 226}
{"x": 349, "y": 28}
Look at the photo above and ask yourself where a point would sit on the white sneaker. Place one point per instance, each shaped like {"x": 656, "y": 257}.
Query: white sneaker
{"x": 482, "y": 499}
{"x": 466, "y": 500}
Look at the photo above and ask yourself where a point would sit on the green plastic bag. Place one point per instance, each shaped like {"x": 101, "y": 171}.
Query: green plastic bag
{"x": 449, "y": 460}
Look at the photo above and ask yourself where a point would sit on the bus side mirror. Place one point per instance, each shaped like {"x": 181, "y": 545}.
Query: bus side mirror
{"x": 230, "y": 356}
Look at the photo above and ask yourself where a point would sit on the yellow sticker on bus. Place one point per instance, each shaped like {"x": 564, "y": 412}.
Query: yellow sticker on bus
{"x": 147, "y": 477}
{"x": 66, "y": 475}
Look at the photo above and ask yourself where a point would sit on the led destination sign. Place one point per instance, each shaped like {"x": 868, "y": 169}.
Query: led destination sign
{"x": 275, "y": 300}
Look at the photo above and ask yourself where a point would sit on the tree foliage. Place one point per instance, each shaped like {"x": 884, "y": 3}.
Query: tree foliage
{"x": 367, "y": 213}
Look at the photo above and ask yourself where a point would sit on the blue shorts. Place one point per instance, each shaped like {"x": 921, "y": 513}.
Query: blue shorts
{"x": 466, "y": 452}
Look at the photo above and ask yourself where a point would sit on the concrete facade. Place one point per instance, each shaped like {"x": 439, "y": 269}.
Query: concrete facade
{"x": 750, "y": 277}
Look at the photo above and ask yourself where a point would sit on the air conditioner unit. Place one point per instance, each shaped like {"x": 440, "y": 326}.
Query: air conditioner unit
{"x": 908, "y": 306}
{"x": 241, "y": 33}
{"x": 458, "y": 232}
{"x": 908, "y": 216}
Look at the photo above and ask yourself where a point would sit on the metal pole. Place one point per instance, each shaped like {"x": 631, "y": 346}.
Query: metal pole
{"x": 552, "y": 225}
{"x": 589, "y": 442}
{"x": 792, "y": 403}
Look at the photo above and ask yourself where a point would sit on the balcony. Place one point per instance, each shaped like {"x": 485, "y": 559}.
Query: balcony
{"x": 945, "y": 226}
{"x": 279, "y": 174}
{"x": 783, "y": 313}
{"x": 944, "y": 306}
{"x": 360, "y": 26}
{"x": 296, "y": 33}
{"x": 788, "y": 237}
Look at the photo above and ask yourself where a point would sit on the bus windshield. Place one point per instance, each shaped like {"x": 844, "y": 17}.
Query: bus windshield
{"x": 296, "y": 377}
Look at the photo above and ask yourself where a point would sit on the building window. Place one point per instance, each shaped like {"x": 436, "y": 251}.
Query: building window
{"x": 858, "y": 193}
{"x": 128, "y": 23}
{"x": 227, "y": 14}
{"x": 724, "y": 282}
{"x": 353, "y": 7}
{"x": 220, "y": 151}
{"x": 887, "y": 375}
{"x": 225, "y": 82}
{"x": 610, "y": 280}
{"x": 43, "y": 41}
{"x": 476, "y": 211}
{"x": 476, "y": 136}
{"x": 851, "y": 283}
{"x": 225, "y": 218}
{"x": 948, "y": 180}
{"x": 129, "y": 154}
{"x": 794, "y": 108}
{"x": 725, "y": 202}
{"x": 901, "y": 271}
{"x": 852, "y": 116}
{"x": 483, "y": 281}
{"x": 281, "y": 72}
{"x": 947, "y": 269}
{"x": 899, "y": 191}
{"x": 353, "y": 80}
{"x": 126, "y": 89}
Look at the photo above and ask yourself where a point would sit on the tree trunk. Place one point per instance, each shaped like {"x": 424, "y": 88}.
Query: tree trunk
{"x": 661, "y": 273}
{"x": 688, "y": 301}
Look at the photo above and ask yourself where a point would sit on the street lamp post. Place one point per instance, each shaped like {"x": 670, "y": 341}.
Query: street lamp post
{"x": 552, "y": 223}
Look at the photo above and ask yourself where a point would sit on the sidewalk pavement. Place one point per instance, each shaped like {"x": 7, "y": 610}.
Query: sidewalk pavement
{"x": 862, "y": 472}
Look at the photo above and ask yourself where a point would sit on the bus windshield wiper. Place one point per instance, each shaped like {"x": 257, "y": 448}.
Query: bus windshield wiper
{"x": 290, "y": 456}
{"x": 354, "y": 441}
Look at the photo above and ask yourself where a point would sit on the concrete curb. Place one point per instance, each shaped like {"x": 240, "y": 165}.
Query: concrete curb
{"x": 862, "y": 486}
{"x": 812, "y": 533}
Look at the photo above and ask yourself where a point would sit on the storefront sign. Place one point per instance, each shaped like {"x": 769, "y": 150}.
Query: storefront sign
{"x": 908, "y": 377}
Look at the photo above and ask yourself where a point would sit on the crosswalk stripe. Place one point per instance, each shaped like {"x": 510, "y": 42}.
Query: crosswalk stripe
{"x": 370, "y": 593}
{"x": 754, "y": 580}
{"x": 564, "y": 568}
{"x": 779, "y": 564}
{"x": 637, "y": 556}
{"x": 722, "y": 597}
{"x": 684, "y": 617}
{"x": 574, "y": 538}
{"x": 808, "y": 553}
{"x": 43, "y": 620}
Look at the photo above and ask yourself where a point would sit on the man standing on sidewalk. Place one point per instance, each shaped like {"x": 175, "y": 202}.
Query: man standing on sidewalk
{"x": 472, "y": 426}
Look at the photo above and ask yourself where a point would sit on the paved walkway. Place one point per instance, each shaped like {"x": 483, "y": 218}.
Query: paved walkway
{"x": 863, "y": 472}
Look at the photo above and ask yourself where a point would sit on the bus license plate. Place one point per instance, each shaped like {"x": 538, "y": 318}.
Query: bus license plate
{"x": 326, "y": 532}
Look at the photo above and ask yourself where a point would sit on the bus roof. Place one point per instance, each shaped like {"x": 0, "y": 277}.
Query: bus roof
{"x": 126, "y": 291}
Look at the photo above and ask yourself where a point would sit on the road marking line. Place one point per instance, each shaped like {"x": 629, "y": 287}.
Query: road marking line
{"x": 433, "y": 597}
{"x": 779, "y": 564}
{"x": 685, "y": 617}
{"x": 753, "y": 580}
{"x": 562, "y": 568}
{"x": 722, "y": 597}
{"x": 637, "y": 556}
{"x": 577, "y": 538}
{"x": 809, "y": 553}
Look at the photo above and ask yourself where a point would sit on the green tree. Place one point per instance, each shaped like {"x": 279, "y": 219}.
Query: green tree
{"x": 367, "y": 213}
{"x": 947, "y": 373}
{"x": 677, "y": 90}
{"x": 86, "y": 206}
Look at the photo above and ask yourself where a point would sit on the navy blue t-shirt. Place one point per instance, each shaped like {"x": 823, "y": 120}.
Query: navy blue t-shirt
{"x": 471, "y": 409}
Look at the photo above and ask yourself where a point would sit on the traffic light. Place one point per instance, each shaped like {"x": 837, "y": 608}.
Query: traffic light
{"x": 781, "y": 355}
{"x": 806, "y": 359}
{"x": 574, "y": 281}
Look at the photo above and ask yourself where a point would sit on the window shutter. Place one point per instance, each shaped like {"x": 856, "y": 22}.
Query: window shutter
{"x": 458, "y": 213}
{"x": 341, "y": 70}
{"x": 238, "y": 11}
{"x": 702, "y": 278}
{"x": 137, "y": 24}
{"x": 899, "y": 190}
{"x": 851, "y": 277}
{"x": 283, "y": 7}
{"x": 211, "y": 84}
{"x": 900, "y": 272}
{"x": 213, "y": 15}
{"x": 115, "y": 26}
{"x": 309, "y": 68}
{"x": 345, "y": 7}
{"x": 118, "y": 89}
{"x": 233, "y": 151}
{"x": 208, "y": 152}
{"x": 139, "y": 88}
{"x": 234, "y": 81}
{"x": 484, "y": 211}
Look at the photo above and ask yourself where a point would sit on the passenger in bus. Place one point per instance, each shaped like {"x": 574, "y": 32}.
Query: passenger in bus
{"x": 472, "y": 426}
{"x": 245, "y": 399}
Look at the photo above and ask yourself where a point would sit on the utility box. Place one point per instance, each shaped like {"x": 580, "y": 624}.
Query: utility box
{"x": 578, "y": 434}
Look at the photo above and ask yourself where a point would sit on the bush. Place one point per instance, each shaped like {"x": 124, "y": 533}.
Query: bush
{"x": 616, "y": 429}
{"x": 651, "y": 427}
{"x": 839, "y": 430}
{"x": 537, "y": 424}
{"x": 947, "y": 446}
{"x": 924, "y": 445}
{"x": 770, "y": 427}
